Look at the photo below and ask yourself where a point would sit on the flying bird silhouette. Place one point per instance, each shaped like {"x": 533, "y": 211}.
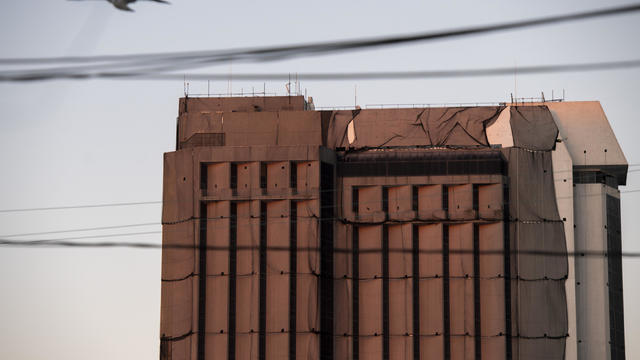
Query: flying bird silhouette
{"x": 124, "y": 4}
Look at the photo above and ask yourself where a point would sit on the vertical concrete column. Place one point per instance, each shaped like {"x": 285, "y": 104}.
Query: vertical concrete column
{"x": 430, "y": 259}
{"x": 563, "y": 182}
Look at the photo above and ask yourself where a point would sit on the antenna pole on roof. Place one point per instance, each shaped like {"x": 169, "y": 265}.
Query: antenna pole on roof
{"x": 515, "y": 80}
{"x": 542, "y": 96}
{"x": 230, "y": 85}
{"x": 289, "y": 89}
{"x": 355, "y": 95}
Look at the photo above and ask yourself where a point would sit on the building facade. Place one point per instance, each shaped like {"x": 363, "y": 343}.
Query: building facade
{"x": 426, "y": 233}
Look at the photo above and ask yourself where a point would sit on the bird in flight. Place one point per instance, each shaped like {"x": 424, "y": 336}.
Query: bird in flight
{"x": 124, "y": 4}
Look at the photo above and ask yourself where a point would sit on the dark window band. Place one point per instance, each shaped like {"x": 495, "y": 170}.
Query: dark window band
{"x": 233, "y": 243}
{"x": 476, "y": 285}
{"x": 415, "y": 246}
{"x": 385, "y": 292}
{"x": 293, "y": 270}
{"x": 327, "y": 204}
{"x": 445, "y": 292}
{"x": 355, "y": 244}
{"x": 202, "y": 281}
{"x": 507, "y": 270}
{"x": 262, "y": 317}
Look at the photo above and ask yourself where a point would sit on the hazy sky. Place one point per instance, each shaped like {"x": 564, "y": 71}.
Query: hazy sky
{"x": 101, "y": 141}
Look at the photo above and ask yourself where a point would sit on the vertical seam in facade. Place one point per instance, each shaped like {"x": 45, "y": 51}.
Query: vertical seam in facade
{"x": 445, "y": 275}
{"x": 445, "y": 291}
{"x": 385, "y": 292}
{"x": 356, "y": 293}
{"x": 327, "y": 189}
{"x": 476, "y": 291}
{"x": 233, "y": 256}
{"x": 293, "y": 270}
{"x": 202, "y": 282}
{"x": 262, "y": 345}
{"x": 507, "y": 272}
{"x": 416, "y": 290}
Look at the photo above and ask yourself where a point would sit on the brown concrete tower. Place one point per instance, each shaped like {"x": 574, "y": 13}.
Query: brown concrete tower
{"x": 251, "y": 189}
{"x": 291, "y": 233}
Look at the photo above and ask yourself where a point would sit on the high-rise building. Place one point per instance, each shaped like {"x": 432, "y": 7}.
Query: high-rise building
{"x": 408, "y": 233}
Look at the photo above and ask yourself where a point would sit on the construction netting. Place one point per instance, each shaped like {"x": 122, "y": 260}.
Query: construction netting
{"x": 405, "y": 245}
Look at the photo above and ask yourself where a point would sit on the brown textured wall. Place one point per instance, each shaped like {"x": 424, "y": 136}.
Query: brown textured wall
{"x": 459, "y": 221}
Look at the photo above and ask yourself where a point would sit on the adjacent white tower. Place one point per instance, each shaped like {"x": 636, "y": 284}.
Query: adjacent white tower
{"x": 599, "y": 167}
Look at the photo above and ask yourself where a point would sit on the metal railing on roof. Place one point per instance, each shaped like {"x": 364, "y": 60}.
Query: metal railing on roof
{"x": 409, "y": 106}
{"x": 238, "y": 94}
{"x": 345, "y": 107}
{"x": 428, "y": 105}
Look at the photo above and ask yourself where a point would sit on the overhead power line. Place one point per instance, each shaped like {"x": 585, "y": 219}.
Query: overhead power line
{"x": 144, "y": 245}
{"x": 80, "y": 230}
{"x": 383, "y": 75}
{"x": 81, "y": 206}
{"x": 149, "y": 64}
{"x": 325, "y": 47}
{"x": 332, "y": 76}
{"x": 80, "y": 237}
{"x": 70, "y": 207}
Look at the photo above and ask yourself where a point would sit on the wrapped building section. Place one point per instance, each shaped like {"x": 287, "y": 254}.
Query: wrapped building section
{"x": 431, "y": 291}
{"x": 247, "y": 279}
{"x": 400, "y": 291}
{"x": 417, "y": 254}
{"x": 430, "y": 233}
{"x": 218, "y": 274}
{"x": 307, "y": 285}
{"x": 370, "y": 285}
{"x": 461, "y": 300}
{"x": 540, "y": 319}
{"x": 277, "y": 280}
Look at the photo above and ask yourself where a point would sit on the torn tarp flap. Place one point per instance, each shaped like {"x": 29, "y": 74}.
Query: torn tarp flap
{"x": 337, "y": 132}
{"x": 412, "y": 127}
{"x": 458, "y": 126}
{"x": 533, "y": 128}
{"x": 391, "y": 127}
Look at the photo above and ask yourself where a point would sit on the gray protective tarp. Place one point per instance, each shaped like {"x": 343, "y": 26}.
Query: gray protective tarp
{"x": 538, "y": 289}
{"x": 178, "y": 264}
{"x": 532, "y": 185}
{"x": 533, "y": 128}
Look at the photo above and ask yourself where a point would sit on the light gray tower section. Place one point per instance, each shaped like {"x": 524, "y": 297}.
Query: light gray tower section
{"x": 599, "y": 167}
{"x": 588, "y": 166}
